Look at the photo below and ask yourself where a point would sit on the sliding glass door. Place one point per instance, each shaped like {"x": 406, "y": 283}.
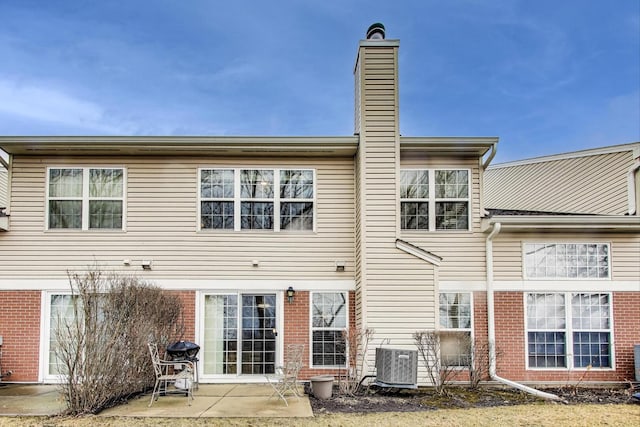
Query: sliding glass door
{"x": 239, "y": 334}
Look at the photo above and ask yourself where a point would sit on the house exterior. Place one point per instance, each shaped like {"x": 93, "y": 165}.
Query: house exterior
{"x": 372, "y": 230}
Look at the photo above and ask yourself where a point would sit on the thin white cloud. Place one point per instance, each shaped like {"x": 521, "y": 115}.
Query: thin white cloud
{"x": 40, "y": 103}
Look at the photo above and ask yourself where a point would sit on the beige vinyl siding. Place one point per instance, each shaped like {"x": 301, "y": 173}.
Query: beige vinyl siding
{"x": 358, "y": 235}
{"x": 162, "y": 225}
{"x": 4, "y": 188}
{"x": 594, "y": 184}
{"x": 357, "y": 103}
{"x": 398, "y": 289}
{"x": 508, "y": 262}
{"x": 462, "y": 252}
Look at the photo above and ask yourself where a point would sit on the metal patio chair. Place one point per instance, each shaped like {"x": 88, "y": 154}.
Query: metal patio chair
{"x": 170, "y": 372}
{"x": 285, "y": 380}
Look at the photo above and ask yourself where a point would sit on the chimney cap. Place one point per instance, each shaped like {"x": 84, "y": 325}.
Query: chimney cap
{"x": 375, "y": 31}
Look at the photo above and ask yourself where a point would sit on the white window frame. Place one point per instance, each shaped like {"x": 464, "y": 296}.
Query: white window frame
{"x": 85, "y": 198}
{"x": 276, "y": 200}
{"x": 470, "y": 329}
{"x": 46, "y": 337}
{"x": 432, "y": 200}
{"x": 527, "y": 276}
{"x": 569, "y": 331}
{"x": 312, "y": 329}
{"x": 233, "y": 290}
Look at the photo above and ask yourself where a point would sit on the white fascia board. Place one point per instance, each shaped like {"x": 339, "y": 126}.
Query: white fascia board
{"x": 449, "y": 145}
{"x": 182, "y": 145}
{"x": 532, "y": 223}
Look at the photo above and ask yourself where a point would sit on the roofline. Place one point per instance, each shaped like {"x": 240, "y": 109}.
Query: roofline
{"x": 232, "y": 145}
{"x": 180, "y": 145}
{"x": 446, "y": 145}
{"x": 633, "y": 146}
{"x": 529, "y": 223}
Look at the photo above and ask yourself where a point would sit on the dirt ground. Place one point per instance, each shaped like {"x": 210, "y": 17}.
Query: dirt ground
{"x": 424, "y": 399}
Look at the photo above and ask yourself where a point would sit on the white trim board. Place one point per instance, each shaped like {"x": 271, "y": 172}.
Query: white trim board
{"x": 544, "y": 285}
{"x": 193, "y": 284}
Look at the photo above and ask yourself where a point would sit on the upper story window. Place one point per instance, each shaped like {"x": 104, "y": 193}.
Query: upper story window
{"x": 434, "y": 199}
{"x": 566, "y": 260}
{"x": 85, "y": 198}
{"x": 257, "y": 199}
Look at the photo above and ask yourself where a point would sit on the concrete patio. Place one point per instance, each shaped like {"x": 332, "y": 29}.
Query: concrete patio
{"x": 210, "y": 401}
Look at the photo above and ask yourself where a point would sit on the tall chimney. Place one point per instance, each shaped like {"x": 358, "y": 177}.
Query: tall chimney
{"x": 377, "y": 167}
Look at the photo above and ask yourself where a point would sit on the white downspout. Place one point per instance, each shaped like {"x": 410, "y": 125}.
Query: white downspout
{"x": 491, "y": 327}
{"x": 631, "y": 187}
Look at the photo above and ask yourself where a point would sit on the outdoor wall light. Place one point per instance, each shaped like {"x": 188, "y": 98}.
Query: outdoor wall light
{"x": 146, "y": 265}
{"x": 340, "y": 265}
{"x": 290, "y": 294}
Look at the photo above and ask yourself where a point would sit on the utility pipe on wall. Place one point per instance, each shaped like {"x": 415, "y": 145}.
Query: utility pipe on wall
{"x": 491, "y": 326}
{"x": 631, "y": 188}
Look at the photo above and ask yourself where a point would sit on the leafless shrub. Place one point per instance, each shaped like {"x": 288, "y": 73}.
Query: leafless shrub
{"x": 429, "y": 348}
{"x": 478, "y": 362}
{"x": 101, "y": 350}
{"x": 575, "y": 386}
{"x": 356, "y": 343}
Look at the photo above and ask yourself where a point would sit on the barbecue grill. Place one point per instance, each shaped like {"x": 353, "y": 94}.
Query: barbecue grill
{"x": 184, "y": 351}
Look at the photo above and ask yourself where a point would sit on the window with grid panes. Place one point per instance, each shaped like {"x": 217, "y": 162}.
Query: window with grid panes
{"x": 328, "y": 323}
{"x": 434, "y": 199}
{"x": 455, "y": 328}
{"x": 566, "y": 260}
{"x": 257, "y": 199}
{"x": 563, "y": 324}
{"x": 85, "y": 198}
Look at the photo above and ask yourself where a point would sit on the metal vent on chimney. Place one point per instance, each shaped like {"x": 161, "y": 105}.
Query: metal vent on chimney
{"x": 375, "y": 32}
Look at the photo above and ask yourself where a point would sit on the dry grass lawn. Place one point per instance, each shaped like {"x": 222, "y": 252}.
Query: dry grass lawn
{"x": 524, "y": 415}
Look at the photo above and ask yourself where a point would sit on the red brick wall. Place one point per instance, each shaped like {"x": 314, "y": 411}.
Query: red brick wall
{"x": 296, "y": 329}
{"x": 626, "y": 323}
{"x": 510, "y": 341}
{"x": 188, "y": 299}
{"x": 480, "y": 325}
{"x": 20, "y": 330}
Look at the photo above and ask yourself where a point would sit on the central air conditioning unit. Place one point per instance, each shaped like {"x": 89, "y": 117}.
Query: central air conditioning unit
{"x": 396, "y": 368}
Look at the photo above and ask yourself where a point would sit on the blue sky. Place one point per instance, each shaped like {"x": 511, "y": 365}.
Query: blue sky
{"x": 546, "y": 76}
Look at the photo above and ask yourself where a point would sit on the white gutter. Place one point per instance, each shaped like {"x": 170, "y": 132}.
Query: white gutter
{"x": 494, "y": 150}
{"x": 631, "y": 186}
{"x": 491, "y": 327}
